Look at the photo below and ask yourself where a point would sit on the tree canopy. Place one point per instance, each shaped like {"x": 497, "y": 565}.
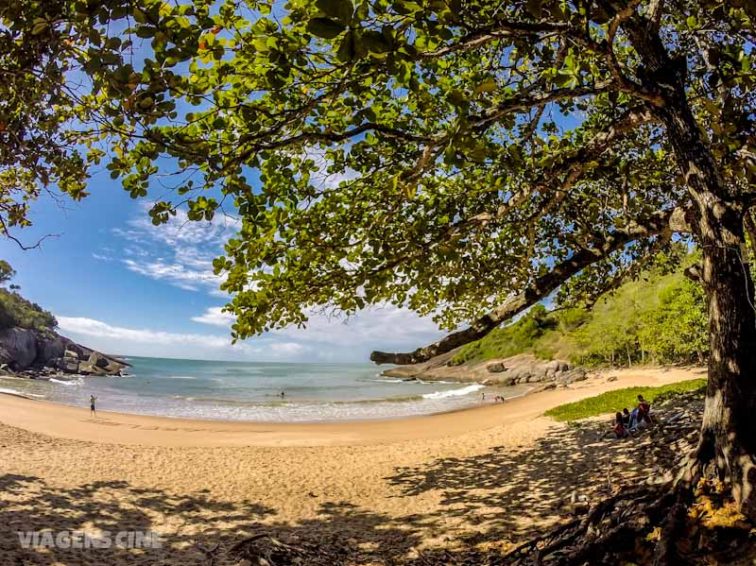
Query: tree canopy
{"x": 465, "y": 158}
{"x": 444, "y": 155}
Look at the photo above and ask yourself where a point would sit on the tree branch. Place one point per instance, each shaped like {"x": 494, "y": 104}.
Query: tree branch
{"x": 537, "y": 290}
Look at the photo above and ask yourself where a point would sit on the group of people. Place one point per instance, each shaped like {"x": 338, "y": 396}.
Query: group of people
{"x": 628, "y": 422}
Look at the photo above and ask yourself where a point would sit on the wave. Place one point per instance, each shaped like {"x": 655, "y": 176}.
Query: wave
{"x": 454, "y": 392}
{"x": 179, "y": 377}
{"x": 77, "y": 381}
{"x": 19, "y": 393}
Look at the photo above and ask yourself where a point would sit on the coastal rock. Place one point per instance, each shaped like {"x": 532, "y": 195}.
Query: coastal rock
{"x": 50, "y": 347}
{"x": 575, "y": 375}
{"x": 18, "y": 348}
{"x": 71, "y": 354}
{"x": 522, "y": 368}
{"x": 98, "y": 360}
{"x": 67, "y": 364}
{"x": 86, "y": 368}
{"x": 29, "y": 352}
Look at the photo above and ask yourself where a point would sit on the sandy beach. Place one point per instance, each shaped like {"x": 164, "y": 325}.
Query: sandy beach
{"x": 485, "y": 475}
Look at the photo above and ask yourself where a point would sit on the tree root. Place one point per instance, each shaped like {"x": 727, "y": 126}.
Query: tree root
{"x": 644, "y": 525}
{"x": 609, "y": 523}
{"x": 273, "y": 550}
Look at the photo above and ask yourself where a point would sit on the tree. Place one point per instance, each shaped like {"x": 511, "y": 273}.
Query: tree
{"x": 463, "y": 158}
{"x": 49, "y": 52}
{"x": 6, "y": 272}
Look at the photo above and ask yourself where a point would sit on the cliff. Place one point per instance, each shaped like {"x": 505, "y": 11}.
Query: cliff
{"x": 31, "y": 352}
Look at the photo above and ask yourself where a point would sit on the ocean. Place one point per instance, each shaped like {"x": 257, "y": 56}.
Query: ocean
{"x": 251, "y": 391}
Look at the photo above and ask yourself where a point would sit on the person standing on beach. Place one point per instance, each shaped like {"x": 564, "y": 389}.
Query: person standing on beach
{"x": 92, "y": 400}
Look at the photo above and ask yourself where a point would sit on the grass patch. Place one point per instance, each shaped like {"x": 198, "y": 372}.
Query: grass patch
{"x": 613, "y": 401}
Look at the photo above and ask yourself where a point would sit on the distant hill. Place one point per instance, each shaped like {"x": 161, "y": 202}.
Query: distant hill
{"x": 658, "y": 318}
{"x": 30, "y": 345}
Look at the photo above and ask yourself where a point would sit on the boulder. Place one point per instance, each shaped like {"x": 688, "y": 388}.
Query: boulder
{"x": 98, "y": 360}
{"x": 496, "y": 367}
{"x": 557, "y": 366}
{"x": 18, "y": 348}
{"x": 66, "y": 364}
{"x": 71, "y": 354}
{"x": 49, "y": 347}
{"x": 575, "y": 375}
{"x": 86, "y": 368}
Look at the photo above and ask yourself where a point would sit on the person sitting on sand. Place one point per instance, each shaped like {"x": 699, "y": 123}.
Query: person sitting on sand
{"x": 92, "y": 400}
{"x": 626, "y": 417}
{"x": 644, "y": 410}
{"x": 619, "y": 426}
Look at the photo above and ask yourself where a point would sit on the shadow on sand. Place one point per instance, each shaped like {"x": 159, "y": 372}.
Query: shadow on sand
{"x": 490, "y": 500}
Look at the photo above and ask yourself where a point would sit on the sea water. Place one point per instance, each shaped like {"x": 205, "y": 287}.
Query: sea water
{"x": 252, "y": 391}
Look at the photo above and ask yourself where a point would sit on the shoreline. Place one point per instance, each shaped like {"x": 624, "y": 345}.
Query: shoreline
{"x": 65, "y": 421}
{"x": 492, "y": 474}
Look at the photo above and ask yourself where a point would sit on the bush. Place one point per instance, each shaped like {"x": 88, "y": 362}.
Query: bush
{"x": 658, "y": 318}
{"x": 17, "y": 311}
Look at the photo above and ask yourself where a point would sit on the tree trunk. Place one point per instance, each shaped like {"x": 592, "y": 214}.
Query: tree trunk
{"x": 728, "y": 431}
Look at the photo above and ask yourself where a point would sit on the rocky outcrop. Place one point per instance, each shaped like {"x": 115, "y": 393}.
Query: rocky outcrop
{"x": 40, "y": 352}
{"x": 523, "y": 368}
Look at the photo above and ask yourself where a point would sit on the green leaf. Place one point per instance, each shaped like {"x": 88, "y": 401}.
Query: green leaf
{"x": 488, "y": 85}
{"x": 342, "y": 10}
{"x": 325, "y": 28}
{"x": 40, "y": 26}
{"x": 457, "y": 97}
{"x": 375, "y": 42}
{"x": 346, "y": 49}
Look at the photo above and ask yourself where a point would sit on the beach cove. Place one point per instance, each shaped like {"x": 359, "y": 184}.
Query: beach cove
{"x": 398, "y": 486}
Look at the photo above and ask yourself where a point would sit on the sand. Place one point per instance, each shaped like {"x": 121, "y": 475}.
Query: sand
{"x": 489, "y": 475}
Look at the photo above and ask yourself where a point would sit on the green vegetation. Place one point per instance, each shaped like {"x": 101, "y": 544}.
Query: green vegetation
{"x": 17, "y": 311}
{"x": 613, "y": 401}
{"x": 658, "y": 318}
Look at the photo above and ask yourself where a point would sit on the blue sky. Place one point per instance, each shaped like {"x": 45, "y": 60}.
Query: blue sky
{"x": 121, "y": 285}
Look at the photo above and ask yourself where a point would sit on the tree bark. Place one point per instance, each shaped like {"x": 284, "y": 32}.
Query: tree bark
{"x": 728, "y": 432}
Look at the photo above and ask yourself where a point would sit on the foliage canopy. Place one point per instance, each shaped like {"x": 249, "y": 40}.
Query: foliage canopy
{"x": 443, "y": 155}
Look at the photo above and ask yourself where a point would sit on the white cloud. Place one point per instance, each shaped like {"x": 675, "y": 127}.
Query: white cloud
{"x": 325, "y": 339}
{"x": 147, "y": 342}
{"x": 377, "y": 328}
{"x": 95, "y": 328}
{"x": 179, "y": 252}
{"x": 215, "y": 317}
{"x": 287, "y": 348}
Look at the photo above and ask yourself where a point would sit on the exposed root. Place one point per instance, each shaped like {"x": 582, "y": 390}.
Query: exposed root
{"x": 265, "y": 549}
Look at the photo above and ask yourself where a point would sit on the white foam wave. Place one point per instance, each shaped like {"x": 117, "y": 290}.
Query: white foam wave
{"x": 22, "y": 393}
{"x": 454, "y": 392}
{"x": 179, "y": 377}
{"x": 77, "y": 381}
